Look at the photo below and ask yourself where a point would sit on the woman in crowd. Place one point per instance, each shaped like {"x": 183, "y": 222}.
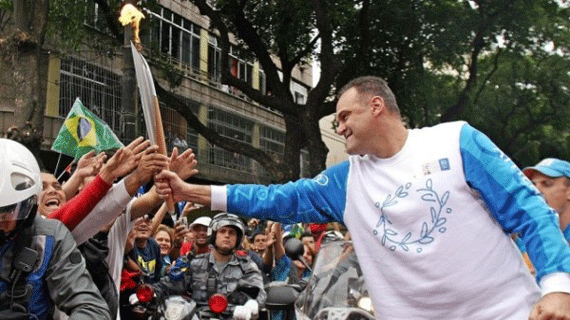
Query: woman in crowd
{"x": 164, "y": 236}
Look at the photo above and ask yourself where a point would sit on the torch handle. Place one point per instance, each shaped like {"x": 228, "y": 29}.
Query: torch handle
{"x": 160, "y": 141}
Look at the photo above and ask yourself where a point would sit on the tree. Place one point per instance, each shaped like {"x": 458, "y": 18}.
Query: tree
{"x": 442, "y": 58}
{"x": 22, "y": 32}
{"x": 288, "y": 30}
{"x": 481, "y": 61}
{"x": 501, "y": 65}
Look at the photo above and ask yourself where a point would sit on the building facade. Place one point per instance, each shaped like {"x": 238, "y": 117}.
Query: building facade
{"x": 178, "y": 35}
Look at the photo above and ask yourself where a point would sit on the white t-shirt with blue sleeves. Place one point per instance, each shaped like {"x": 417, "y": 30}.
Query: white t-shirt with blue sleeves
{"x": 429, "y": 225}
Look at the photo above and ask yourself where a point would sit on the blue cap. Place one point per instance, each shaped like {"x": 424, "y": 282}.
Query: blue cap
{"x": 551, "y": 167}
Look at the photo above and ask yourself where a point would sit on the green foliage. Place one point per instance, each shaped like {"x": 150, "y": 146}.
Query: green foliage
{"x": 283, "y": 26}
{"x": 433, "y": 53}
{"x": 6, "y": 5}
{"x": 76, "y": 23}
{"x": 519, "y": 90}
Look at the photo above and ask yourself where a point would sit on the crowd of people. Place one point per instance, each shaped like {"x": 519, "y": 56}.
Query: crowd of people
{"x": 432, "y": 213}
{"x": 113, "y": 239}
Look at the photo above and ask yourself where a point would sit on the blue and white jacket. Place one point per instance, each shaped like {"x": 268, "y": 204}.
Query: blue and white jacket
{"x": 59, "y": 278}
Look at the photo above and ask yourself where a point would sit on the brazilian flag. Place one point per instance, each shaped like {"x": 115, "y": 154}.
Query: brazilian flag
{"x": 82, "y": 131}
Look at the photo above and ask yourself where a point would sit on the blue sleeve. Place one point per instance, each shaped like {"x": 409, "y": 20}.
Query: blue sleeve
{"x": 514, "y": 202}
{"x": 321, "y": 199}
{"x": 282, "y": 269}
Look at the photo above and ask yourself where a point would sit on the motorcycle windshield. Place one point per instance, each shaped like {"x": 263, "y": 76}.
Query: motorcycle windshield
{"x": 336, "y": 288}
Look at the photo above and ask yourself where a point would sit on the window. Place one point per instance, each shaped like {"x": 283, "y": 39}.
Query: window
{"x": 271, "y": 140}
{"x": 177, "y": 37}
{"x": 262, "y": 84}
{"x": 214, "y": 60}
{"x": 99, "y": 90}
{"x": 234, "y": 127}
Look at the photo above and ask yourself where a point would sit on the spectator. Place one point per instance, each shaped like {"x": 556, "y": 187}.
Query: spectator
{"x": 199, "y": 228}
{"x": 259, "y": 242}
{"x": 318, "y": 230}
{"x": 308, "y": 239}
{"x": 146, "y": 252}
{"x": 309, "y": 257}
{"x": 164, "y": 236}
{"x": 552, "y": 178}
{"x": 94, "y": 203}
{"x": 282, "y": 268}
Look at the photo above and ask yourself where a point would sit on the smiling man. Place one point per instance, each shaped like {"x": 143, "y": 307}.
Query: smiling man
{"x": 52, "y": 196}
{"x": 146, "y": 252}
{"x": 199, "y": 244}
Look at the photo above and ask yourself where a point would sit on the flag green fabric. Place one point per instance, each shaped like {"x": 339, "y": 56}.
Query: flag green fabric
{"x": 82, "y": 131}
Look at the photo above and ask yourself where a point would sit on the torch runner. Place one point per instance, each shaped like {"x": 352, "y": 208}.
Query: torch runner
{"x": 149, "y": 100}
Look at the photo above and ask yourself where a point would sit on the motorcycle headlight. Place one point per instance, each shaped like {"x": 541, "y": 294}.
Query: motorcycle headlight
{"x": 145, "y": 293}
{"x": 218, "y": 303}
{"x": 365, "y": 303}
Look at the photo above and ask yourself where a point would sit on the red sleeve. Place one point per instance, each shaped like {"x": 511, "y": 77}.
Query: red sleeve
{"x": 76, "y": 209}
{"x": 186, "y": 247}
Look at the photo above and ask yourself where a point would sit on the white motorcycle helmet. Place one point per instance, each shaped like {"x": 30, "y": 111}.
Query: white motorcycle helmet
{"x": 20, "y": 184}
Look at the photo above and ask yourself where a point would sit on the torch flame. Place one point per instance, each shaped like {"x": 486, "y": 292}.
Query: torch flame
{"x": 131, "y": 15}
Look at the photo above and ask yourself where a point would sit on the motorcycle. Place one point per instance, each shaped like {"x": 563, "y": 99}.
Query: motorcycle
{"x": 335, "y": 289}
{"x": 148, "y": 304}
{"x": 282, "y": 295}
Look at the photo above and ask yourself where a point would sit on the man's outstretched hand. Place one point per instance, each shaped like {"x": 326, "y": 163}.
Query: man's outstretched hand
{"x": 168, "y": 183}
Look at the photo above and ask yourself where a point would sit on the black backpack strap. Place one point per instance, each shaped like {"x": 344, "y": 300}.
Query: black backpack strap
{"x": 18, "y": 292}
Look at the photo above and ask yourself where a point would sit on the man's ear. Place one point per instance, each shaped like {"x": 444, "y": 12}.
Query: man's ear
{"x": 378, "y": 105}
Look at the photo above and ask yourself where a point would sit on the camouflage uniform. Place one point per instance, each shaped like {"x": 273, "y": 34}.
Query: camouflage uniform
{"x": 239, "y": 271}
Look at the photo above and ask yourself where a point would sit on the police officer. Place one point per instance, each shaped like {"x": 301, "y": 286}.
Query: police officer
{"x": 223, "y": 270}
{"x": 40, "y": 266}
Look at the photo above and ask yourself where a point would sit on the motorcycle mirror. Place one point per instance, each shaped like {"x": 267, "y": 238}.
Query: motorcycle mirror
{"x": 294, "y": 248}
{"x": 280, "y": 297}
{"x": 249, "y": 290}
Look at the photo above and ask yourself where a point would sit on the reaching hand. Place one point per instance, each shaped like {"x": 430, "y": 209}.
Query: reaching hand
{"x": 168, "y": 184}
{"x": 180, "y": 232}
{"x": 183, "y": 165}
{"x": 125, "y": 159}
{"x": 554, "y": 305}
{"x": 253, "y": 222}
{"x": 189, "y": 206}
{"x": 271, "y": 238}
{"x": 90, "y": 164}
{"x": 150, "y": 164}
